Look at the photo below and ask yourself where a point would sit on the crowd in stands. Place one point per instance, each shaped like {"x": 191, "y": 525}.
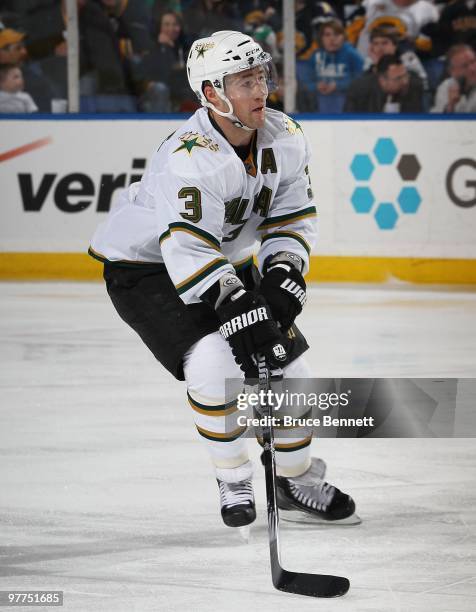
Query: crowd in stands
{"x": 367, "y": 56}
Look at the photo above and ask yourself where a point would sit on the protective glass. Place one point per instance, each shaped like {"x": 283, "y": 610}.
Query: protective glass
{"x": 257, "y": 81}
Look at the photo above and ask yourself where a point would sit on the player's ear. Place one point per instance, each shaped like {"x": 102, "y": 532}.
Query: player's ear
{"x": 209, "y": 91}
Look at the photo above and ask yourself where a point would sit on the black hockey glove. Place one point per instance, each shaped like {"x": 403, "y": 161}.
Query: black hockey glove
{"x": 283, "y": 287}
{"x": 249, "y": 329}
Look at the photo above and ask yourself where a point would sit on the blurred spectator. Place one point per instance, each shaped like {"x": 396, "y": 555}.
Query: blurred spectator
{"x": 108, "y": 53}
{"x": 340, "y": 7}
{"x": 385, "y": 41}
{"x": 306, "y": 43}
{"x": 336, "y": 64}
{"x": 129, "y": 20}
{"x": 391, "y": 90}
{"x": 257, "y": 26}
{"x": 276, "y": 97}
{"x": 12, "y": 97}
{"x": 309, "y": 17}
{"x": 456, "y": 25}
{"x": 162, "y": 70}
{"x": 169, "y": 33}
{"x": 407, "y": 16}
{"x": 55, "y": 68}
{"x": 158, "y": 7}
{"x": 9, "y": 18}
{"x": 13, "y": 51}
{"x": 111, "y": 33}
{"x": 457, "y": 94}
{"x": 272, "y": 10}
{"x": 203, "y": 17}
{"x": 43, "y": 22}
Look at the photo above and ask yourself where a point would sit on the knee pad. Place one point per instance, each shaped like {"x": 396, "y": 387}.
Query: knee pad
{"x": 211, "y": 373}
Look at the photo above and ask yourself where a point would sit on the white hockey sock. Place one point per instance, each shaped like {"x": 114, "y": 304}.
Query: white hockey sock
{"x": 293, "y": 463}
{"x": 237, "y": 474}
{"x": 225, "y": 442}
{"x": 293, "y": 454}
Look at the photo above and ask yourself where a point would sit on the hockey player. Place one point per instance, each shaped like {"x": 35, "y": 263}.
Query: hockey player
{"x": 178, "y": 264}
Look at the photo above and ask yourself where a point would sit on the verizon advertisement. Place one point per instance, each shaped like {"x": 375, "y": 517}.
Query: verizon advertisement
{"x": 59, "y": 178}
{"x": 383, "y": 188}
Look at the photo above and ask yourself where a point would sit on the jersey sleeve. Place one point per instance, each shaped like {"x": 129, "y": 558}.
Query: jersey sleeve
{"x": 291, "y": 221}
{"x": 190, "y": 216}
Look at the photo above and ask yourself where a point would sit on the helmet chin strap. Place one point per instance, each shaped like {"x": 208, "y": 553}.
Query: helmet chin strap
{"x": 229, "y": 114}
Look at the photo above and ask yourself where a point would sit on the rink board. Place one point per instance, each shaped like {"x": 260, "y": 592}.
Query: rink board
{"x": 396, "y": 198}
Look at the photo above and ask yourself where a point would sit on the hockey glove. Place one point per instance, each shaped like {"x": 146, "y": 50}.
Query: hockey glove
{"x": 283, "y": 287}
{"x": 248, "y": 328}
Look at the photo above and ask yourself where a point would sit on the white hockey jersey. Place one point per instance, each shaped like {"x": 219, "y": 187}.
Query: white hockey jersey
{"x": 201, "y": 210}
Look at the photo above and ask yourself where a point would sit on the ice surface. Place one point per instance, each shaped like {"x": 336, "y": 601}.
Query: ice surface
{"x": 107, "y": 493}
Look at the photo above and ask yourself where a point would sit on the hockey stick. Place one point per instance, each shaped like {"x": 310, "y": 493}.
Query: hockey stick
{"x": 313, "y": 585}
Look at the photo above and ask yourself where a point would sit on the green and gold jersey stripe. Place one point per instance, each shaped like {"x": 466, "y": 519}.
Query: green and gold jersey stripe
{"x": 191, "y": 281}
{"x": 217, "y": 410}
{"x": 97, "y": 255}
{"x": 289, "y": 218}
{"x": 194, "y": 231}
{"x": 243, "y": 263}
{"x": 293, "y": 235}
{"x": 123, "y": 262}
{"x": 289, "y": 447}
{"x": 221, "y": 437}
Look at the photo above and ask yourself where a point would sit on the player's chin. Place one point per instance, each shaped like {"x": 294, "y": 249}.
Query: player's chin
{"x": 257, "y": 117}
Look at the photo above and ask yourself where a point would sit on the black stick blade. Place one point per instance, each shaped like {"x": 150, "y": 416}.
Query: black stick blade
{"x": 313, "y": 585}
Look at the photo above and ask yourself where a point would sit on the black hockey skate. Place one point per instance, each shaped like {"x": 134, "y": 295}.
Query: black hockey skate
{"x": 309, "y": 499}
{"x": 236, "y": 498}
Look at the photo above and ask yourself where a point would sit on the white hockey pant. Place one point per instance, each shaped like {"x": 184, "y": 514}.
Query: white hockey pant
{"x": 207, "y": 365}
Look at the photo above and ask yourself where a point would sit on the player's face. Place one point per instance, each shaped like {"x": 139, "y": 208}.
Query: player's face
{"x": 247, "y": 91}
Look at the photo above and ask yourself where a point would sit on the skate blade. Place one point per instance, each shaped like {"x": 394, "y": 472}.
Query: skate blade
{"x": 296, "y": 516}
{"x": 244, "y": 533}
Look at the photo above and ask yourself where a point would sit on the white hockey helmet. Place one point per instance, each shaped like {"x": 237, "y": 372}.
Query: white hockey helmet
{"x": 223, "y": 53}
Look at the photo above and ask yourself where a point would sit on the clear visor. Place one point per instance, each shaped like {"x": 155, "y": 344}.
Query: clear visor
{"x": 259, "y": 81}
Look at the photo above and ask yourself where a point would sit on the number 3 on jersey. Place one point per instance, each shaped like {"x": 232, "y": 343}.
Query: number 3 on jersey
{"x": 193, "y": 203}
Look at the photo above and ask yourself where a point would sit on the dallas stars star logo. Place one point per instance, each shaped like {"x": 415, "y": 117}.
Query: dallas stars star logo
{"x": 202, "y": 48}
{"x": 292, "y": 126}
{"x": 188, "y": 145}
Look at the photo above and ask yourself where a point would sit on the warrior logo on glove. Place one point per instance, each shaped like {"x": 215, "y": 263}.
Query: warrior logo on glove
{"x": 243, "y": 320}
{"x": 294, "y": 289}
{"x": 283, "y": 287}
